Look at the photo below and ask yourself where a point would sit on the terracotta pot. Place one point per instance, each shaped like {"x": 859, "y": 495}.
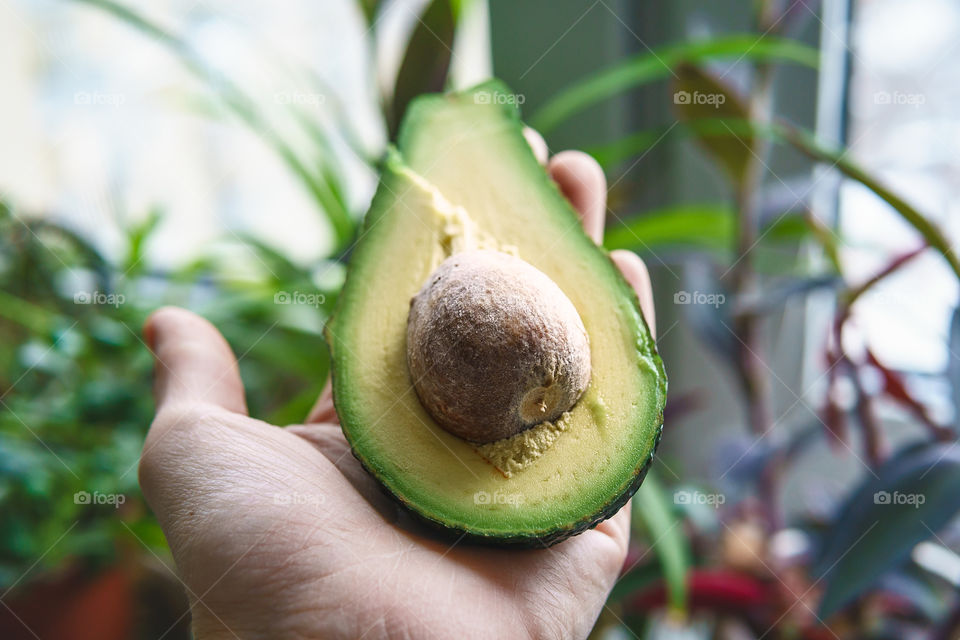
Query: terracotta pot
{"x": 75, "y": 605}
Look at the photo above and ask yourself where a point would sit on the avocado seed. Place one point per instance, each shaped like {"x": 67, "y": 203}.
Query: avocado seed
{"x": 494, "y": 346}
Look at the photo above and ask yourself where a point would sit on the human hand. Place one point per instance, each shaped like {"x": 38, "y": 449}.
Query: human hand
{"x": 279, "y": 533}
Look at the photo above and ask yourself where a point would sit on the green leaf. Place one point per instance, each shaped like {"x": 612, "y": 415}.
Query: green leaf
{"x": 244, "y": 108}
{"x": 652, "y": 507}
{"x": 793, "y": 228}
{"x": 37, "y": 318}
{"x": 705, "y": 226}
{"x": 658, "y": 64}
{"x": 426, "y": 61}
{"x": 634, "y": 581}
{"x": 913, "y": 496}
{"x": 806, "y": 143}
{"x": 282, "y": 270}
{"x": 137, "y": 238}
{"x": 613, "y": 153}
{"x": 709, "y": 227}
{"x": 696, "y": 96}
{"x": 828, "y": 240}
{"x": 342, "y": 123}
{"x": 370, "y": 9}
{"x": 297, "y": 408}
{"x": 610, "y": 154}
{"x": 788, "y": 228}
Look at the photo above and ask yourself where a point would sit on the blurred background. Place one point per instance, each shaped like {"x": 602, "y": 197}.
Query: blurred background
{"x": 788, "y": 169}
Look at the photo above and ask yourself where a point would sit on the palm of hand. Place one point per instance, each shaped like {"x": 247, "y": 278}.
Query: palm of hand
{"x": 280, "y": 533}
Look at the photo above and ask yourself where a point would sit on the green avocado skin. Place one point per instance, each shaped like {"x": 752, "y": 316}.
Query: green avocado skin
{"x": 525, "y": 541}
{"x": 521, "y": 539}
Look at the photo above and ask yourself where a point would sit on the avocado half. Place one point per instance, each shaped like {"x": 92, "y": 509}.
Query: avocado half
{"x": 461, "y": 178}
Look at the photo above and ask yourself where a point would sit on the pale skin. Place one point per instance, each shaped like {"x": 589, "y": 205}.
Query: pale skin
{"x": 278, "y": 533}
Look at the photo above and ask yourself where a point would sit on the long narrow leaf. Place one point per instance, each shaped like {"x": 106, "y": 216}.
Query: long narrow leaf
{"x": 806, "y": 143}
{"x": 698, "y": 95}
{"x": 707, "y": 226}
{"x": 652, "y": 507}
{"x": 634, "y": 581}
{"x": 613, "y": 153}
{"x": 244, "y": 108}
{"x": 370, "y": 9}
{"x": 648, "y": 67}
{"x": 912, "y": 497}
{"x": 427, "y": 59}
{"x": 29, "y": 315}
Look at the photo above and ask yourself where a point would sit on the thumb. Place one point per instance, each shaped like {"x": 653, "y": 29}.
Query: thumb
{"x": 193, "y": 362}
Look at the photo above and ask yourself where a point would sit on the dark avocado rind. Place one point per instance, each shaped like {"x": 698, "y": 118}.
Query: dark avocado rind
{"x": 543, "y": 539}
{"x": 530, "y": 537}
{"x": 525, "y": 541}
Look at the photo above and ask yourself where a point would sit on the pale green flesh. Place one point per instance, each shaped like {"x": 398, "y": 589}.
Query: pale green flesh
{"x": 473, "y": 153}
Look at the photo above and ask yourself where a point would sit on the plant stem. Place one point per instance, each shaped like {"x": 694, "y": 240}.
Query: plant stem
{"x": 868, "y": 420}
{"x": 931, "y": 232}
{"x": 855, "y": 292}
{"x": 752, "y": 367}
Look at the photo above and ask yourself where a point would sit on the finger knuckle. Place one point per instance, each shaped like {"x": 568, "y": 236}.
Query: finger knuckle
{"x": 171, "y": 433}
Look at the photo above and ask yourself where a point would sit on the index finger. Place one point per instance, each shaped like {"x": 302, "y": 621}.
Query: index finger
{"x": 581, "y": 180}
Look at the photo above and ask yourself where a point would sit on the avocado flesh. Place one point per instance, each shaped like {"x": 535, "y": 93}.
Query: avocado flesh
{"x": 463, "y": 178}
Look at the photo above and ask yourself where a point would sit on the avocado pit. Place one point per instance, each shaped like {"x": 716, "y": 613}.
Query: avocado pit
{"x": 494, "y": 346}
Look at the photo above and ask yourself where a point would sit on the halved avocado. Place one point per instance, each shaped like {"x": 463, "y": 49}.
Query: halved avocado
{"x": 463, "y": 178}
